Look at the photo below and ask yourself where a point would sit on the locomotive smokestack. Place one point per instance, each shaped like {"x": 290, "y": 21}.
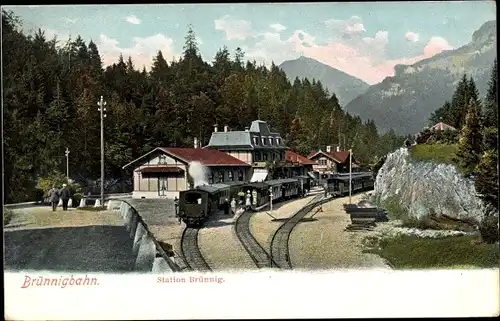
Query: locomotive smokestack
{"x": 215, "y": 128}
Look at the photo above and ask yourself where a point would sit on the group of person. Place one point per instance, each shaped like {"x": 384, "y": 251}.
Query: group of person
{"x": 55, "y": 194}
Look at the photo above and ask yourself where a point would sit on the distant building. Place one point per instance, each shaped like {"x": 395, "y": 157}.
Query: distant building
{"x": 442, "y": 126}
{"x": 437, "y": 127}
{"x": 163, "y": 172}
{"x": 330, "y": 162}
{"x": 255, "y": 146}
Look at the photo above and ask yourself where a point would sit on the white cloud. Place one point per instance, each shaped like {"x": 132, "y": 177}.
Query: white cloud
{"x": 133, "y": 20}
{"x": 350, "y": 26}
{"x": 411, "y": 36}
{"x": 234, "y": 29}
{"x": 278, "y": 27}
{"x": 142, "y": 52}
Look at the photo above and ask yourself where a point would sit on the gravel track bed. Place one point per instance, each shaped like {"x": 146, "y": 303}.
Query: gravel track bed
{"x": 323, "y": 244}
{"x": 261, "y": 225}
{"x": 220, "y": 246}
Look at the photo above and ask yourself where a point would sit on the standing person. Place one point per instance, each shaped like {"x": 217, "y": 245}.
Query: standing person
{"x": 65, "y": 195}
{"x": 233, "y": 206}
{"x": 176, "y": 204}
{"x": 54, "y": 197}
{"x": 226, "y": 206}
{"x": 248, "y": 203}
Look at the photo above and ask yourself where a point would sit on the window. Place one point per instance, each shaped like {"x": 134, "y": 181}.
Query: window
{"x": 240, "y": 175}
{"x": 270, "y": 141}
{"x": 257, "y": 156}
{"x": 322, "y": 162}
{"x": 265, "y": 156}
{"x": 256, "y": 140}
{"x": 263, "y": 140}
{"x": 230, "y": 176}
{"x": 221, "y": 176}
{"x": 278, "y": 141}
{"x": 211, "y": 178}
{"x": 274, "y": 156}
{"x": 162, "y": 159}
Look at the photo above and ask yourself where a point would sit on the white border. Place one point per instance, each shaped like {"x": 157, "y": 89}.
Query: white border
{"x": 342, "y": 294}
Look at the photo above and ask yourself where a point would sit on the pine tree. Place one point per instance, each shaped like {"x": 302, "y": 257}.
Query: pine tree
{"x": 490, "y": 117}
{"x": 469, "y": 145}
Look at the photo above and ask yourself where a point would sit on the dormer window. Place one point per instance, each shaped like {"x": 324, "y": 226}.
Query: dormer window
{"x": 278, "y": 141}
{"x": 256, "y": 140}
{"x": 263, "y": 141}
{"x": 270, "y": 141}
{"x": 162, "y": 159}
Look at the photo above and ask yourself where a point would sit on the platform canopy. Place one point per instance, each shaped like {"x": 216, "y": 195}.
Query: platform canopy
{"x": 259, "y": 175}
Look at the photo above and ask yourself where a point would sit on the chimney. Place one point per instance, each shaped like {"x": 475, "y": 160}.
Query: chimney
{"x": 195, "y": 142}
{"x": 338, "y": 148}
{"x": 226, "y": 128}
{"x": 328, "y": 149}
{"x": 215, "y": 128}
{"x": 247, "y": 129}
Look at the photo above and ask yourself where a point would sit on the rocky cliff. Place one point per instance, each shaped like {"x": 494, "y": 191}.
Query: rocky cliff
{"x": 428, "y": 192}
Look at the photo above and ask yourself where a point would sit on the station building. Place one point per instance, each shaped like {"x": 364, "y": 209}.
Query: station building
{"x": 163, "y": 172}
{"x": 255, "y": 146}
{"x": 330, "y": 162}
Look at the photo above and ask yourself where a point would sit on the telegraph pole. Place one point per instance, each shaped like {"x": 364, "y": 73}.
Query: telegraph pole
{"x": 101, "y": 108}
{"x": 350, "y": 175}
{"x": 67, "y": 163}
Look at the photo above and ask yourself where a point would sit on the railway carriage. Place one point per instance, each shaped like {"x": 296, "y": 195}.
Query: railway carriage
{"x": 304, "y": 183}
{"x": 338, "y": 184}
{"x": 259, "y": 192}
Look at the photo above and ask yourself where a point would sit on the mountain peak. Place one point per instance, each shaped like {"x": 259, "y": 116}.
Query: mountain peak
{"x": 486, "y": 32}
{"x": 345, "y": 86}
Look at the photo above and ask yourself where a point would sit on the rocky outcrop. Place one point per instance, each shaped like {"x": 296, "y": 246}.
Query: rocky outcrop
{"x": 429, "y": 194}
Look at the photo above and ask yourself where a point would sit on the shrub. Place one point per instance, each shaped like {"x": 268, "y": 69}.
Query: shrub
{"x": 57, "y": 179}
{"x": 489, "y": 229}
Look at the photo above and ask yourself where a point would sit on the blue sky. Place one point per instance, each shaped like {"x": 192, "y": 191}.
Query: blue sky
{"x": 365, "y": 40}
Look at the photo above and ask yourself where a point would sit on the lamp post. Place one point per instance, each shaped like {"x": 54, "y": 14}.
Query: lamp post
{"x": 67, "y": 163}
{"x": 101, "y": 109}
{"x": 271, "y": 198}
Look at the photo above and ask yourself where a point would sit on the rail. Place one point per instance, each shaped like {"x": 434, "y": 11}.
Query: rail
{"x": 279, "y": 242}
{"x": 257, "y": 253}
{"x": 191, "y": 251}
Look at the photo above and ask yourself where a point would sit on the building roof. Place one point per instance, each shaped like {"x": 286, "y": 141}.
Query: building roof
{"x": 297, "y": 158}
{"x": 442, "y": 126}
{"x": 243, "y": 139}
{"x": 339, "y": 157}
{"x": 207, "y": 157}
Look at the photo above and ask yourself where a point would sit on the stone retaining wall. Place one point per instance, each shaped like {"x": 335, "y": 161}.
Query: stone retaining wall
{"x": 150, "y": 256}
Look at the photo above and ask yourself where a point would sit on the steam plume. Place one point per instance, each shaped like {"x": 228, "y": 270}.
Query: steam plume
{"x": 199, "y": 173}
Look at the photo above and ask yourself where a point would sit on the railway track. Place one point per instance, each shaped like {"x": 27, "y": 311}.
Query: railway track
{"x": 191, "y": 252}
{"x": 279, "y": 243}
{"x": 242, "y": 228}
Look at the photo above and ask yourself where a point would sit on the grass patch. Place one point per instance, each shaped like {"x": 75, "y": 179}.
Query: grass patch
{"x": 437, "y": 153}
{"x": 411, "y": 252}
{"x": 7, "y": 215}
{"x": 394, "y": 209}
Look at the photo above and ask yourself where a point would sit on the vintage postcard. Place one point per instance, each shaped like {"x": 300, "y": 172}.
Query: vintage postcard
{"x": 253, "y": 160}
